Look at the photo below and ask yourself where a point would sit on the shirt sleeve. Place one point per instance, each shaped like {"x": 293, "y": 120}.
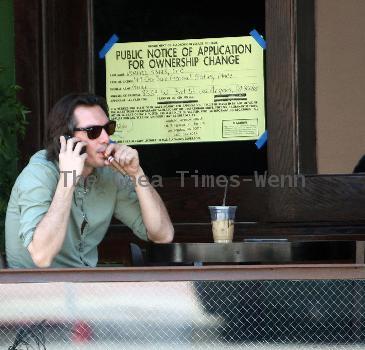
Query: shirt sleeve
{"x": 36, "y": 189}
{"x": 128, "y": 211}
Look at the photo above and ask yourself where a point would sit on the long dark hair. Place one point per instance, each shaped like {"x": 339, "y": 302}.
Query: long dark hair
{"x": 61, "y": 119}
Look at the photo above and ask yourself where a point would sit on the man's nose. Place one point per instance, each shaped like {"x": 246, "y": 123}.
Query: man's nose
{"x": 104, "y": 137}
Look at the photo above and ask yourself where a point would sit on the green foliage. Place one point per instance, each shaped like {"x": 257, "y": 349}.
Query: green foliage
{"x": 12, "y": 126}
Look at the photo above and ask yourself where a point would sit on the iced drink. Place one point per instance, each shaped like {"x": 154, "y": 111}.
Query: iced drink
{"x": 222, "y": 223}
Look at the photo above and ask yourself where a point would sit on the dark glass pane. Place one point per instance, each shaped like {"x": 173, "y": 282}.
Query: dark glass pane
{"x": 147, "y": 22}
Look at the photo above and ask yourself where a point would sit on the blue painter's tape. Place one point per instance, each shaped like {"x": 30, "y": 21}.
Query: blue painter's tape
{"x": 261, "y": 140}
{"x": 260, "y": 40}
{"x": 113, "y": 39}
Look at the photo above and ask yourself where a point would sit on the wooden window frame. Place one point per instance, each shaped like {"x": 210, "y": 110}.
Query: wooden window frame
{"x": 56, "y": 57}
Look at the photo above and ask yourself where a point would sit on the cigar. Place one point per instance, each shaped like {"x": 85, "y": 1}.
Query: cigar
{"x": 115, "y": 164}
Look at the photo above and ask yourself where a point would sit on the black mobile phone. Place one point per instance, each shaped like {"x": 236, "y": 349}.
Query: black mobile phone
{"x": 83, "y": 149}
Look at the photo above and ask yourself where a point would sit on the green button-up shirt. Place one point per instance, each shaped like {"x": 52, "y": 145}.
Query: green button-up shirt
{"x": 94, "y": 203}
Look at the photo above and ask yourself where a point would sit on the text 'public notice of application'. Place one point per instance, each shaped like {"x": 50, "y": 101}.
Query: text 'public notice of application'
{"x": 198, "y": 90}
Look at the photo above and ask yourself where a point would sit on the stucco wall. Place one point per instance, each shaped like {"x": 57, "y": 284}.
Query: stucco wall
{"x": 340, "y": 84}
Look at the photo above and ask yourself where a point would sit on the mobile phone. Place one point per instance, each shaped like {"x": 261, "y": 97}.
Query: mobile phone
{"x": 83, "y": 149}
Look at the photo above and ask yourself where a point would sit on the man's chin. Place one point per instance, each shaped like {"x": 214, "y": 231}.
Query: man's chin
{"x": 95, "y": 163}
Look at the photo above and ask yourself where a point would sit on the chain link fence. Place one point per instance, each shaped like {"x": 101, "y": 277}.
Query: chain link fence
{"x": 278, "y": 314}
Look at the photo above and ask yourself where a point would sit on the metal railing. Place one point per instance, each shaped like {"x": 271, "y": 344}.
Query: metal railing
{"x": 201, "y": 314}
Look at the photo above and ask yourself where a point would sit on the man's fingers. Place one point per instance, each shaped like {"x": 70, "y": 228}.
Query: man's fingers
{"x": 63, "y": 144}
{"x": 121, "y": 156}
{"x": 109, "y": 149}
{"x": 124, "y": 156}
{"x": 70, "y": 144}
{"x": 114, "y": 149}
{"x": 83, "y": 156}
{"x": 127, "y": 156}
{"x": 131, "y": 155}
{"x": 128, "y": 159}
{"x": 79, "y": 145}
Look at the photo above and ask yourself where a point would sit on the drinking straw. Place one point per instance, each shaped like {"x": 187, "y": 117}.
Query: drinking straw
{"x": 225, "y": 194}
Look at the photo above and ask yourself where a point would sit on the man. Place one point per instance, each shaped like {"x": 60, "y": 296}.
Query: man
{"x": 56, "y": 217}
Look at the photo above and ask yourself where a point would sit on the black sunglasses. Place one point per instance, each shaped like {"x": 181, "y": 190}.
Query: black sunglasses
{"x": 94, "y": 132}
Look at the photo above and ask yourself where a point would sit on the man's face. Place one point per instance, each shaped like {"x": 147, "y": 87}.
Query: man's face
{"x": 86, "y": 116}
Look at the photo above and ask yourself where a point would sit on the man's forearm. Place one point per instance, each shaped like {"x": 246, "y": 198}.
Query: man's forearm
{"x": 154, "y": 212}
{"x": 49, "y": 234}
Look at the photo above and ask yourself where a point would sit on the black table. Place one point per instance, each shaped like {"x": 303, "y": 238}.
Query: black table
{"x": 251, "y": 252}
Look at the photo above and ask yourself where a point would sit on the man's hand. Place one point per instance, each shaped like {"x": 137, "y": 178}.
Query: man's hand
{"x": 50, "y": 232}
{"x": 127, "y": 157}
{"x": 154, "y": 213}
{"x": 70, "y": 160}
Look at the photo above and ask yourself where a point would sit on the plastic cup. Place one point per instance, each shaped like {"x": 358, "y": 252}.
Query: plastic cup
{"x": 222, "y": 223}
